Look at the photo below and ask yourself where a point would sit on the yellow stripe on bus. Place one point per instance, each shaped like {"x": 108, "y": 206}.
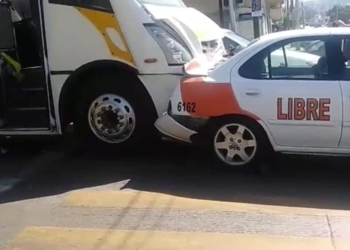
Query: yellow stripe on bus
{"x": 102, "y": 21}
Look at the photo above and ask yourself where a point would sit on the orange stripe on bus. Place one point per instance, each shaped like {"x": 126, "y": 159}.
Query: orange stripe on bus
{"x": 211, "y": 99}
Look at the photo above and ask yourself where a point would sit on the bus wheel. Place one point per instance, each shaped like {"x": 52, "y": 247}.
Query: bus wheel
{"x": 111, "y": 116}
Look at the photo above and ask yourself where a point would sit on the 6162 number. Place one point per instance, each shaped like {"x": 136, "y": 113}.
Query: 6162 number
{"x": 190, "y": 107}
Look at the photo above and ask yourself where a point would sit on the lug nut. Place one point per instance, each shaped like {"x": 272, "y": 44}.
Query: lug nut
{"x": 238, "y": 148}
{"x": 239, "y": 141}
{"x": 231, "y": 139}
{"x": 230, "y": 147}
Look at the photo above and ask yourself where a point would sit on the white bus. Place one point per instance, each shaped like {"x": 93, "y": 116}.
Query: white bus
{"x": 107, "y": 66}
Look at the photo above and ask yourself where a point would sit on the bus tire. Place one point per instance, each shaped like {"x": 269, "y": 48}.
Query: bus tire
{"x": 112, "y": 116}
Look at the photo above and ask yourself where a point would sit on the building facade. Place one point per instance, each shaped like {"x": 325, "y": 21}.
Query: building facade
{"x": 218, "y": 11}
{"x": 211, "y": 8}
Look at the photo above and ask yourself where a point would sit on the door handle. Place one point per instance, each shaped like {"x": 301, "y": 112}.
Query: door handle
{"x": 252, "y": 93}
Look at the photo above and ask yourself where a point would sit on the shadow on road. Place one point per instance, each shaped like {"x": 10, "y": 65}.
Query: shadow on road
{"x": 187, "y": 172}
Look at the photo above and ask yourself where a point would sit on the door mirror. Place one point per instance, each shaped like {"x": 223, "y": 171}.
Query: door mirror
{"x": 7, "y": 40}
{"x": 231, "y": 50}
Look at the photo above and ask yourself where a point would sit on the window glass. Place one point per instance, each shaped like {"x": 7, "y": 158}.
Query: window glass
{"x": 177, "y": 3}
{"x": 100, "y": 5}
{"x": 277, "y": 58}
{"x": 229, "y": 44}
{"x": 235, "y": 40}
{"x": 290, "y": 60}
{"x": 345, "y": 57}
{"x": 256, "y": 67}
{"x": 7, "y": 40}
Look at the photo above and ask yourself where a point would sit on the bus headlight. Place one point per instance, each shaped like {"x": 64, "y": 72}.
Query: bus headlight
{"x": 174, "y": 51}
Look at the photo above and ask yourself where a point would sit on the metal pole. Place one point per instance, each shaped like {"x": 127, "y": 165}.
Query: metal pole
{"x": 256, "y": 13}
{"x": 291, "y": 14}
{"x": 232, "y": 16}
{"x": 303, "y": 14}
{"x": 256, "y": 26}
{"x": 221, "y": 13}
{"x": 268, "y": 19}
{"x": 297, "y": 15}
{"x": 288, "y": 17}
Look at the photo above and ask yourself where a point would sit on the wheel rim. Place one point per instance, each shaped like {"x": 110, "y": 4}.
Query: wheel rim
{"x": 111, "y": 118}
{"x": 235, "y": 144}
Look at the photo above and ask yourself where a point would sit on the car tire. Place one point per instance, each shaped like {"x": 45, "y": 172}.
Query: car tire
{"x": 239, "y": 144}
{"x": 110, "y": 116}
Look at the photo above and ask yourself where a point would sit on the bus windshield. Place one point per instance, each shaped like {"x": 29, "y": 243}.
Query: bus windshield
{"x": 175, "y": 3}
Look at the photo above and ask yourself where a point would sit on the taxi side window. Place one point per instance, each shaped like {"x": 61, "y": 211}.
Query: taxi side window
{"x": 303, "y": 59}
{"x": 345, "y": 44}
{"x": 256, "y": 67}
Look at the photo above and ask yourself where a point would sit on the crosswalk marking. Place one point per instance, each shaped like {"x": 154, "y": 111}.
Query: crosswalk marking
{"x": 42, "y": 238}
{"x": 140, "y": 199}
{"x": 64, "y": 236}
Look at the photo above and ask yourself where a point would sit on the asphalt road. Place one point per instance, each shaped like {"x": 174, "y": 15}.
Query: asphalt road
{"x": 170, "y": 197}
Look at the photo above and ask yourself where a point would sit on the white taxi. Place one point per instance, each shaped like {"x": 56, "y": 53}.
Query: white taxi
{"x": 251, "y": 105}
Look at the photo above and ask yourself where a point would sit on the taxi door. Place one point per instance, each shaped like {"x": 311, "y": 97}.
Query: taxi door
{"x": 290, "y": 90}
{"x": 344, "y": 78}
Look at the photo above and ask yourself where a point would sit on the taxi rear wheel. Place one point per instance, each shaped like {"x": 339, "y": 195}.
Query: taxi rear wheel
{"x": 240, "y": 144}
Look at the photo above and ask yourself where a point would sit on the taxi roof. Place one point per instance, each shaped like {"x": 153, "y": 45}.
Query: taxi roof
{"x": 266, "y": 40}
{"x": 304, "y": 33}
{"x": 271, "y": 38}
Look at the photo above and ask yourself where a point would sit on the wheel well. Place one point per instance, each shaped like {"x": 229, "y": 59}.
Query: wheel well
{"x": 75, "y": 83}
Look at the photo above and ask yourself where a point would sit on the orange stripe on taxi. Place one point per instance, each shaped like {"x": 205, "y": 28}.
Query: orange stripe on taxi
{"x": 211, "y": 98}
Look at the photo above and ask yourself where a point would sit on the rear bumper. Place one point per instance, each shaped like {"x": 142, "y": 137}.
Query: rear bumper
{"x": 171, "y": 128}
